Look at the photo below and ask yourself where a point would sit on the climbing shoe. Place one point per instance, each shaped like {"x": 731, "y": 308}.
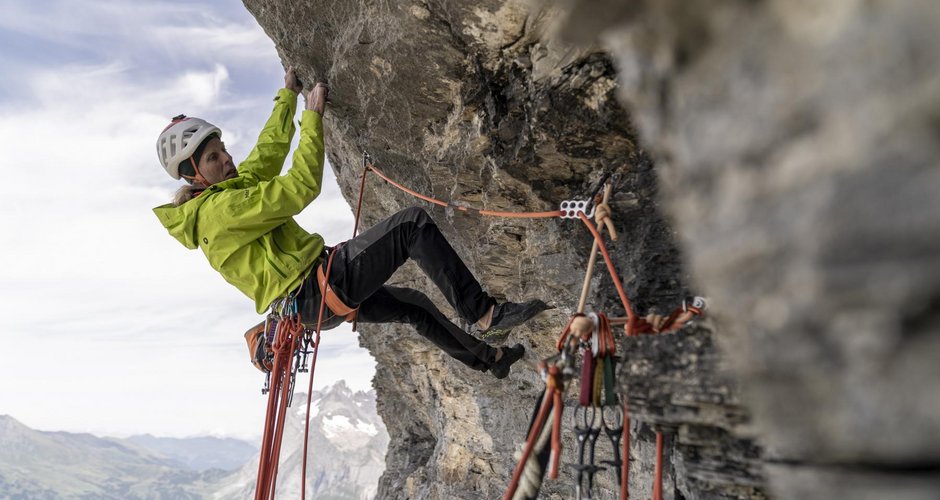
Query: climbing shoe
{"x": 510, "y": 314}
{"x": 500, "y": 369}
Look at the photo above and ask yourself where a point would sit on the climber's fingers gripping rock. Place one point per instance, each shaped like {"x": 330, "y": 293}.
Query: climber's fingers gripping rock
{"x": 291, "y": 82}
{"x": 316, "y": 98}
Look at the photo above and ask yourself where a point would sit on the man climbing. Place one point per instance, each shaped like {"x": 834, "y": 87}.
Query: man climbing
{"x": 242, "y": 220}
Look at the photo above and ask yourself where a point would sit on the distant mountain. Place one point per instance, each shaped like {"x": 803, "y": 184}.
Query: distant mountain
{"x": 200, "y": 453}
{"x": 40, "y": 465}
{"x": 346, "y": 456}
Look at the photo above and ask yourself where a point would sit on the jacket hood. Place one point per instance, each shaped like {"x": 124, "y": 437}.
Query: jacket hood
{"x": 181, "y": 221}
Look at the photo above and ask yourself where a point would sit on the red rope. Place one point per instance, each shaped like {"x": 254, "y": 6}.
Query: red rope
{"x": 631, "y": 316}
{"x": 313, "y": 368}
{"x": 362, "y": 191}
{"x": 284, "y": 345}
{"x": 548, "y": 399}
{"x": 491, "y": 213}
{"x": 556, "y": 434}
{"x": 286, "y": 342}
{"x": 658, "y": 485}
{"x": 625, "y": 466}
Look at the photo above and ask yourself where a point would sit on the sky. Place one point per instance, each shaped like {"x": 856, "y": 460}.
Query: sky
{"x": 110, "y": 326}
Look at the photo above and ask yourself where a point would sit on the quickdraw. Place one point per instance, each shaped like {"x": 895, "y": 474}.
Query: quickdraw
{"x": 591, "y": 334}
{"x": 597, "y": 397}
{"x": 587, "y": 434}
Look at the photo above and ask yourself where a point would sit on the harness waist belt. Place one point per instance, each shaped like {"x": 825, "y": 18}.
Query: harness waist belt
{"x": 333, "y": 301}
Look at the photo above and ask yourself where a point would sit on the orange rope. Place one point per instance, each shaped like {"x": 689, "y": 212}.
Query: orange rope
{"x": 284, "y": 345}
{"x": 491, "y": 213}
{"x": 658, "y": 485}
{"x": 625, "y": 466}
{"x": 313, "y": 367}
{"x": 538, "y": 424}
{"x": 631, "y": 322}
{"x": 286, "y": 342}
{"x": 556, "y": 435}
{"x": 362, "y": 191}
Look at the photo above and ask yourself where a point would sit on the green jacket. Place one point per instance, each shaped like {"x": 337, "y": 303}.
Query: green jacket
{"x": 245, "y": 225}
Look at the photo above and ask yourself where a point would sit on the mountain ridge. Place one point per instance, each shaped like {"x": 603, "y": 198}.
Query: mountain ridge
{"x": 348, "y": 442}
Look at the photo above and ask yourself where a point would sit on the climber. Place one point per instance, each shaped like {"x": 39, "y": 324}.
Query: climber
{"x": 242, "y": 220}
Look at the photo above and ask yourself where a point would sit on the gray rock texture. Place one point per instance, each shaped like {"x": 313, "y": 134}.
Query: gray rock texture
{"x": 795, "y": 147}
{"x": 680, "y": 385}
{"x": 798, "y": 147}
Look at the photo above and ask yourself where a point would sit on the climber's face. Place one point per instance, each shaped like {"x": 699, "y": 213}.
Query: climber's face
{"x": 216, "y": 164}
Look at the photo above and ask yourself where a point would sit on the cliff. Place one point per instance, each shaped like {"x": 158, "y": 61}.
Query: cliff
{"x": 781, "y": 153}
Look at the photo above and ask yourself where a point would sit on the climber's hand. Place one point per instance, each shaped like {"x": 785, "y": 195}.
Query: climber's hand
{"x": 316, "y": 98}
{"x": 291, "y": 82}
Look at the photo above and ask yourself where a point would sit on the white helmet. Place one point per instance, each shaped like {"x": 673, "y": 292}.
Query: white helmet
{"x": 180, "y": 139}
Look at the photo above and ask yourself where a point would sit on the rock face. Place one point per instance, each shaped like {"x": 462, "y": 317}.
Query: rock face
{"x": 795, "y": 144}
{"x": 798, "y": 145}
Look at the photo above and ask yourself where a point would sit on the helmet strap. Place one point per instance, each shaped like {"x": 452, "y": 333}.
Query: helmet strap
{"x": 198, "y": 177}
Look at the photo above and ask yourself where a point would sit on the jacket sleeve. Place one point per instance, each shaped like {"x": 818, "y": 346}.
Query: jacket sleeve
{"x": 271, "y": 203}
{"x": 267, "y": 158}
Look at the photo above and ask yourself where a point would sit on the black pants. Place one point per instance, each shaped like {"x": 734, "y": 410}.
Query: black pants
{"x": 363, "y": 264}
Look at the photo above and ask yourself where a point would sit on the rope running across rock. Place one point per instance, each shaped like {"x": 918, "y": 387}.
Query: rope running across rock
{"x": 527, "y": 477}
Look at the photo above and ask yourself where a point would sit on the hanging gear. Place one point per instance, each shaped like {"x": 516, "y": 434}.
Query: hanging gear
{"x": 587, "y": 434}
{"x": 179, "y": 141}
{"x": 259, "y": 349}
{"x": 533, "y": 462}
{"x": 289, "y": 331}
{"x": 614, "y": 432}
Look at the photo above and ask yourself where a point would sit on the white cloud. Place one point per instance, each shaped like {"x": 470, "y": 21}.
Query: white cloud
{"x": 129, "y": 326}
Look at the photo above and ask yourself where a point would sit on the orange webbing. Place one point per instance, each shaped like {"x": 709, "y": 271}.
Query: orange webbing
{"x": 491, "y": 213}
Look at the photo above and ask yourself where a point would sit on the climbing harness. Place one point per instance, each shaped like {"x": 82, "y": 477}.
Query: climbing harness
{"x": 333, "y": 302}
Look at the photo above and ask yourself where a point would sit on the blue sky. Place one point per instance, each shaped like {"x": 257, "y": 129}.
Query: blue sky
{"x": 111, "y": 326}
